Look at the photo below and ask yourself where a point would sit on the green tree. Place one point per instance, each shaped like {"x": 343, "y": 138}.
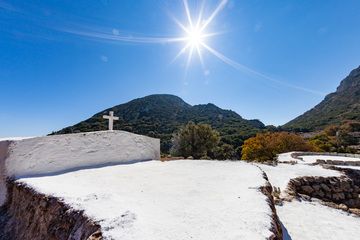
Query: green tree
{"x": 196, "y": 140}
{"x": 324, "y": 142}
{"x": 345, "y": 139}
{"x": 224, "y": 152}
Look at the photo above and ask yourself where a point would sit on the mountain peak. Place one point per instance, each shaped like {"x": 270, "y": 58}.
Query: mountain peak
{"x": 160, "y": 115}
{"x": 351, "y": 81}
{"x": 344, "y": 104}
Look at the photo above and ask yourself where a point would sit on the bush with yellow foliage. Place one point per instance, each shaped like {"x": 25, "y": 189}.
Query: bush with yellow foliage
{"x": 265, "y": 146}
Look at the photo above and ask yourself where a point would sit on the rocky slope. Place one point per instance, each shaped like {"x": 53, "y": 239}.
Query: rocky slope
{"x": 161, "y": 114}
{"x": 344, "y": 104}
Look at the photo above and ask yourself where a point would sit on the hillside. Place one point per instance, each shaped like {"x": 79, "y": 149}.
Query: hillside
{"x": 161, "y": 114}
{"x": 344, "y": 104}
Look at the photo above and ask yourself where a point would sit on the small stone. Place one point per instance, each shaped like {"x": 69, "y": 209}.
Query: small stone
{"x": 43, "y": 204}
{"x": 331, "y": 204}
{"x": 320, "y": 161}
{"x": 338, "y": 196}
{"x": 296, "y": 182}
{"x": 316, "y": 187}
{"x": 344, "y": 185}
{"x": 341, "y": 196}
{"x": 325, "y": 187}
{"x": 305, "y": 197}
{"x": 307, "y": 189}
{"x": 350, "y": 203}
{"x": 349, "y": 195}
{"x": 328, "y": 195}
{"x": 343, "y": 207}
{"x": 96, "y": 236}
{"x": 355, "y": 211}
{"x": 321, "y": 194}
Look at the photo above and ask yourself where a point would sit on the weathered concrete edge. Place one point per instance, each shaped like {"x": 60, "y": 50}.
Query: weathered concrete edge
{"x": 297, "y": 155}
{"x": 30, "y": 215}
{"x": 275, "y": 223}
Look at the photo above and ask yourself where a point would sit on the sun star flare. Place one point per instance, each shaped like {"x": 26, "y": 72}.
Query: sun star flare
{"x": 195, "y": 33}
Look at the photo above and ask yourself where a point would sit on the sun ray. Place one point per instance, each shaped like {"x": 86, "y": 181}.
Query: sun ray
{"x": 207, "y": 35}
{"x": 187, "y": 9}
{"x": 243, "y": 68}
{"x": 181, "y": 52}
{"x": 106, "y": 36}
{"x": 213, "y": 15}
{"x": 181, "y": 25}
{"x": 198, "y": 23}
{"x": 196, "y": 35}
{"x": 200, "y": 57}
{"x": 189, "y": 59}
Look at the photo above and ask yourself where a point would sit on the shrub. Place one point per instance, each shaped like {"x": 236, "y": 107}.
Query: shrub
{"x": 224, "y": 152}
{"x": 265, "y": 146}
{"x": 195, "y": 140}
{"x": 323, "y": 142}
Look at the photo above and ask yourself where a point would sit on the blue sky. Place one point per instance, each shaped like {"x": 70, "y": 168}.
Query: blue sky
{"x": 63, "y": 61}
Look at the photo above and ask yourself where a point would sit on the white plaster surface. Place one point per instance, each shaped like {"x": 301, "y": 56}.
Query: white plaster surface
{"x": 178, "y": 200}
{"x": 312, "y": 159}
{"x": 349, "y": 167}
{"x": 309, "y": 159}
{"x": 62, "y": 153}
{"x": 312, "y": 220}
{"x": 280, "y": 175}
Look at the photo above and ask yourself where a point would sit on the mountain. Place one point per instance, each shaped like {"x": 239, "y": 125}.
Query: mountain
{"x": 344, "y": 104}
{"x": 161, "y": 115}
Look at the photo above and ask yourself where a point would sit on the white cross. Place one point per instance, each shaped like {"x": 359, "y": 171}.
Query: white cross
{"x": 111, "y": 118}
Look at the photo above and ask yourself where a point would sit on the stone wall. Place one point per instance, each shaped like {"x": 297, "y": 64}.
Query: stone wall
{"x": 339, "y": 190}
{"x": 338, "y": 162}
{"x": 28, "y": 215}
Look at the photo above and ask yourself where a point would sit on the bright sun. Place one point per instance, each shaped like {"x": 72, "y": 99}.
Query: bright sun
{"x": 195, "y": 37}
{"x": 196, "y": 34}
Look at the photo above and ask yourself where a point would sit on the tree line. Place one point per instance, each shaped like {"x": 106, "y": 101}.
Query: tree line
{"x": 200, "y": 141}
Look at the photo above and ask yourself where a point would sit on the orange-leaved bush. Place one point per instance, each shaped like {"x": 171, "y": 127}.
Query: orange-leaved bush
{"x": 265, "y": 146}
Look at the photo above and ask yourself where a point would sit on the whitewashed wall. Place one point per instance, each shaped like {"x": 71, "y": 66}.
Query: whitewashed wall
{"x": 62, "y": 153}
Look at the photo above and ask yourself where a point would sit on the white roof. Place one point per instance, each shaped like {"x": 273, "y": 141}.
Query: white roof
{"x": 185, "y": 199}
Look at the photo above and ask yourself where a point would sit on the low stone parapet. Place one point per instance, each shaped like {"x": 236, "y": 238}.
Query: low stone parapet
{"x": 338, "y": 162}
{"x": 339, "y": 190}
